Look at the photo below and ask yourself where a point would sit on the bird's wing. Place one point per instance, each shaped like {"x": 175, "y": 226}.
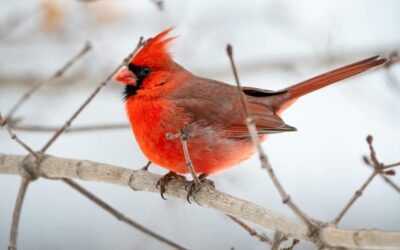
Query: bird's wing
{"x": 216, "y": 104}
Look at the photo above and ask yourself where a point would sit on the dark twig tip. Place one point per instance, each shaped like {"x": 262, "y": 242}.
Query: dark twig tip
{"x": 88, "y": 46}
{"x": 229, "y": 49}
{"x": 370, "y": 139}
{"x": 391, "y": 172}
{"x": 366, "y": 160}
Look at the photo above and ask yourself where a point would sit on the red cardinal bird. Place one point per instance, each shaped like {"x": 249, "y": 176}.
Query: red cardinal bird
{"x": 162, "y": 96}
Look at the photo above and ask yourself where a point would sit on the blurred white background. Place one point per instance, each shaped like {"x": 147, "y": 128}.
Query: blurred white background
{"x": 276, "y": 43}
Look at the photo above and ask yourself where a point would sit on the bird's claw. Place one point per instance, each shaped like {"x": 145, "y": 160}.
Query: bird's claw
{"x": 192, "y": 187}
{"x": 163, "y": 181}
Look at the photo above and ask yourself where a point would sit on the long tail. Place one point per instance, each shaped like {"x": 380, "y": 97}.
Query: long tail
{"x": 305, "y": 87}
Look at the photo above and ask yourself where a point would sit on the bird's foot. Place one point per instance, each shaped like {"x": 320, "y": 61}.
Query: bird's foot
{"x": 163, "y": 181}
{"x": 192, "y": 187}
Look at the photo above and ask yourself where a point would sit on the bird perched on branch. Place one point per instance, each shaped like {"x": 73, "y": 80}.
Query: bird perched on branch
{"x": 162, "y": 97}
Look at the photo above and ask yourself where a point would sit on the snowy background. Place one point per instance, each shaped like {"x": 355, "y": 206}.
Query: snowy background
{"x": 276, "y": 43}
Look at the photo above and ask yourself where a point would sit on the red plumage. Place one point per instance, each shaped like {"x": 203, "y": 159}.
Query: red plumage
{"x": 162, "y": 97}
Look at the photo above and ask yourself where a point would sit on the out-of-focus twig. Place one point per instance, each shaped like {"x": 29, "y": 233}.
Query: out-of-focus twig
{"x": 90, "y": 98}
{"x": 263, "y": 157}
{"x": 3, "y": 123}
{"x": 87, "y": 47}
{"x": 15, "y": 21}
{"x": 158, "y": 3}
{"x": 120, "y": 216}
{"x": 251, "y": 231}
{"x": 82, "y": 128}
{"x": 392, "y": 79}
{"x": 392, "y": 165}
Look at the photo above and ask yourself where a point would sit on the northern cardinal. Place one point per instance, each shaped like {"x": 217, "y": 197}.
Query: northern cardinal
{"x": 162, "y": 97}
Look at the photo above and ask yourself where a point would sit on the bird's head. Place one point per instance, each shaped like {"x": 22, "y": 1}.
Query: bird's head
{"x": 152, "y": 66}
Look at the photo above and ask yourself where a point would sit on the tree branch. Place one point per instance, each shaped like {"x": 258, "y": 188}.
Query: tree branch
{"x": 17, "y": 213}
{"x": 140, "y": 180}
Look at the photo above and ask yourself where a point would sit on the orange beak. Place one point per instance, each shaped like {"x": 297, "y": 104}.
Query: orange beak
{"x": 126, "y": 76}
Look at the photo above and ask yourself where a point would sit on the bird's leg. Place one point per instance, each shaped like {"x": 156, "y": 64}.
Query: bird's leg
{"x": 192, "y": 187}
{"x": 146, "y": 167}
{"x": 163, "y": 181}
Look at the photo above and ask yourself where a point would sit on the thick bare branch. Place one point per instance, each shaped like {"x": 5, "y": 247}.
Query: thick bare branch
{"x": 140, "y": 180}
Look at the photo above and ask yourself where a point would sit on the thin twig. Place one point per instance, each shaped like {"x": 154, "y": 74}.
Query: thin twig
{"x": 378, "y": 169}
{"x": 251, "y": 231}
{"x": 263, "y": 157}
{"x": 146, "y": 167}
{"x": 390, "y": 182}
{"x": 90, "y": 98}
{"x": 391, "y": 165}
{"x": 189, "y": 164}
{"x": 379, "y": 166}
{"x": 182, "y": 135}
{"x": 353, "y": 199}
{"x": 291, "y": 247}
{"x": 17, "y": 213}
{"x": 82, "y": 128}
{"x": 77, "y": 187}
{"x": 279, "y": 237}
{"x": 13, "y": 136}
{"x": 59, "y": 73}
{"x": 120, "y": 216}
{"x": 16, "y": 21}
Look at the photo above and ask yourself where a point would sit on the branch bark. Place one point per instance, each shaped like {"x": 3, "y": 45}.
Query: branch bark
{"x": 139, "y": 180}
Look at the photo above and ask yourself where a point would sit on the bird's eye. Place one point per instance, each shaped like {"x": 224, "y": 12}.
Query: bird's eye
{"x": 145, "y": 71}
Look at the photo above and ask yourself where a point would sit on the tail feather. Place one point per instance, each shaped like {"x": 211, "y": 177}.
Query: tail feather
{"x": 305, "y": 87}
